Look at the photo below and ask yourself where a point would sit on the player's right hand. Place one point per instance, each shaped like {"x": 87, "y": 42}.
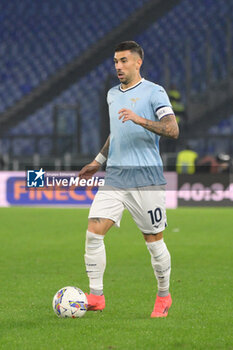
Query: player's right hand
{"x": 89, "y": 170}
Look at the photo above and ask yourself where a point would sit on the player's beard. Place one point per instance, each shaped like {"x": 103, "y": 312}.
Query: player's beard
{"x": 127, "y": 79}
{"x": 124, "y": 80}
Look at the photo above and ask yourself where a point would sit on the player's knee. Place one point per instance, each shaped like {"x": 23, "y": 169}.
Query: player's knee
{"x": 99, "y": 226}
{"x": 153, "y": 237}
{"x": 95, "y": 226}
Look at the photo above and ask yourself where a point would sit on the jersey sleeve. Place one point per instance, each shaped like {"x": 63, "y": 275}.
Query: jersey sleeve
{"x": 161, "y": 103}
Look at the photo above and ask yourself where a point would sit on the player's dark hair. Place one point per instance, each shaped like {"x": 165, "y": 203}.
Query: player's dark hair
{"x": 131, "y": 46}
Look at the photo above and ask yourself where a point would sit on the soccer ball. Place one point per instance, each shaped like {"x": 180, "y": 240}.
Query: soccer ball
{"x": 70, "y": 302}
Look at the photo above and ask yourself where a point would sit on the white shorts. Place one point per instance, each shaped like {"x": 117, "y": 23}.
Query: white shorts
{"x": 145, "y": 204}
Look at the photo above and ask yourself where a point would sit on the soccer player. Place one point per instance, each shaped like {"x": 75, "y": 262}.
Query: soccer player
{"x": 140, "y": 112}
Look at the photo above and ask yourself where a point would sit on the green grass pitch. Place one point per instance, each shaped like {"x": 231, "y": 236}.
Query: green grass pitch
{"x": 42, "y": 251}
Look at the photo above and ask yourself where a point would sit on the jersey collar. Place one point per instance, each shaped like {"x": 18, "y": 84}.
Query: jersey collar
{"x": 131, "y": 87}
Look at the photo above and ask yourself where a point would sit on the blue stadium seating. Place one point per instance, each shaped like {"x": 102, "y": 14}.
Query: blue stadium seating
{"x": 216, "y": 141}
{"x": 189, "y": 23}
{"x": 224, "y": 127}
{"x": 58, "y": 41}
{"x": 39, "y": 37}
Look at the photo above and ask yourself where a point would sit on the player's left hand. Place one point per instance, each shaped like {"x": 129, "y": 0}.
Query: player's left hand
{"x": 127, "y": 114}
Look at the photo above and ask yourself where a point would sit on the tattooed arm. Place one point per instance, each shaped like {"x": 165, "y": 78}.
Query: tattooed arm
{"x": 167, "y": 126}
{"x": 105, "y": 148}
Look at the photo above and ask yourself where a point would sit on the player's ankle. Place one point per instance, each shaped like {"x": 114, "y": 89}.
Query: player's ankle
{"x": 96, "y": 292}
{"x": 163, "y": 293}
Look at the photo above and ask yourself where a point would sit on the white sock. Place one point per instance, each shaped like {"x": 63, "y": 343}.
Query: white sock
{"x": 161, "y": 263}
{"x": 95, "y": 260}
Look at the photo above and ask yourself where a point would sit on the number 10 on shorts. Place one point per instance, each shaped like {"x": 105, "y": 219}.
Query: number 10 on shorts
{"x": 155, "y": 215}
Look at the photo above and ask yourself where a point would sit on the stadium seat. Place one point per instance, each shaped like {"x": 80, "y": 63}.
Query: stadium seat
{"x": 42, "y": 38}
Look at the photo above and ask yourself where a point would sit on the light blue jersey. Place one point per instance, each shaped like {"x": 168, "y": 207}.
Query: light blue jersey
{"x": 133, "y": 158}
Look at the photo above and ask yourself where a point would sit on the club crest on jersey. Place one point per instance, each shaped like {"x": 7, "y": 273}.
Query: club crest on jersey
{"x": 134, "y": 101}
